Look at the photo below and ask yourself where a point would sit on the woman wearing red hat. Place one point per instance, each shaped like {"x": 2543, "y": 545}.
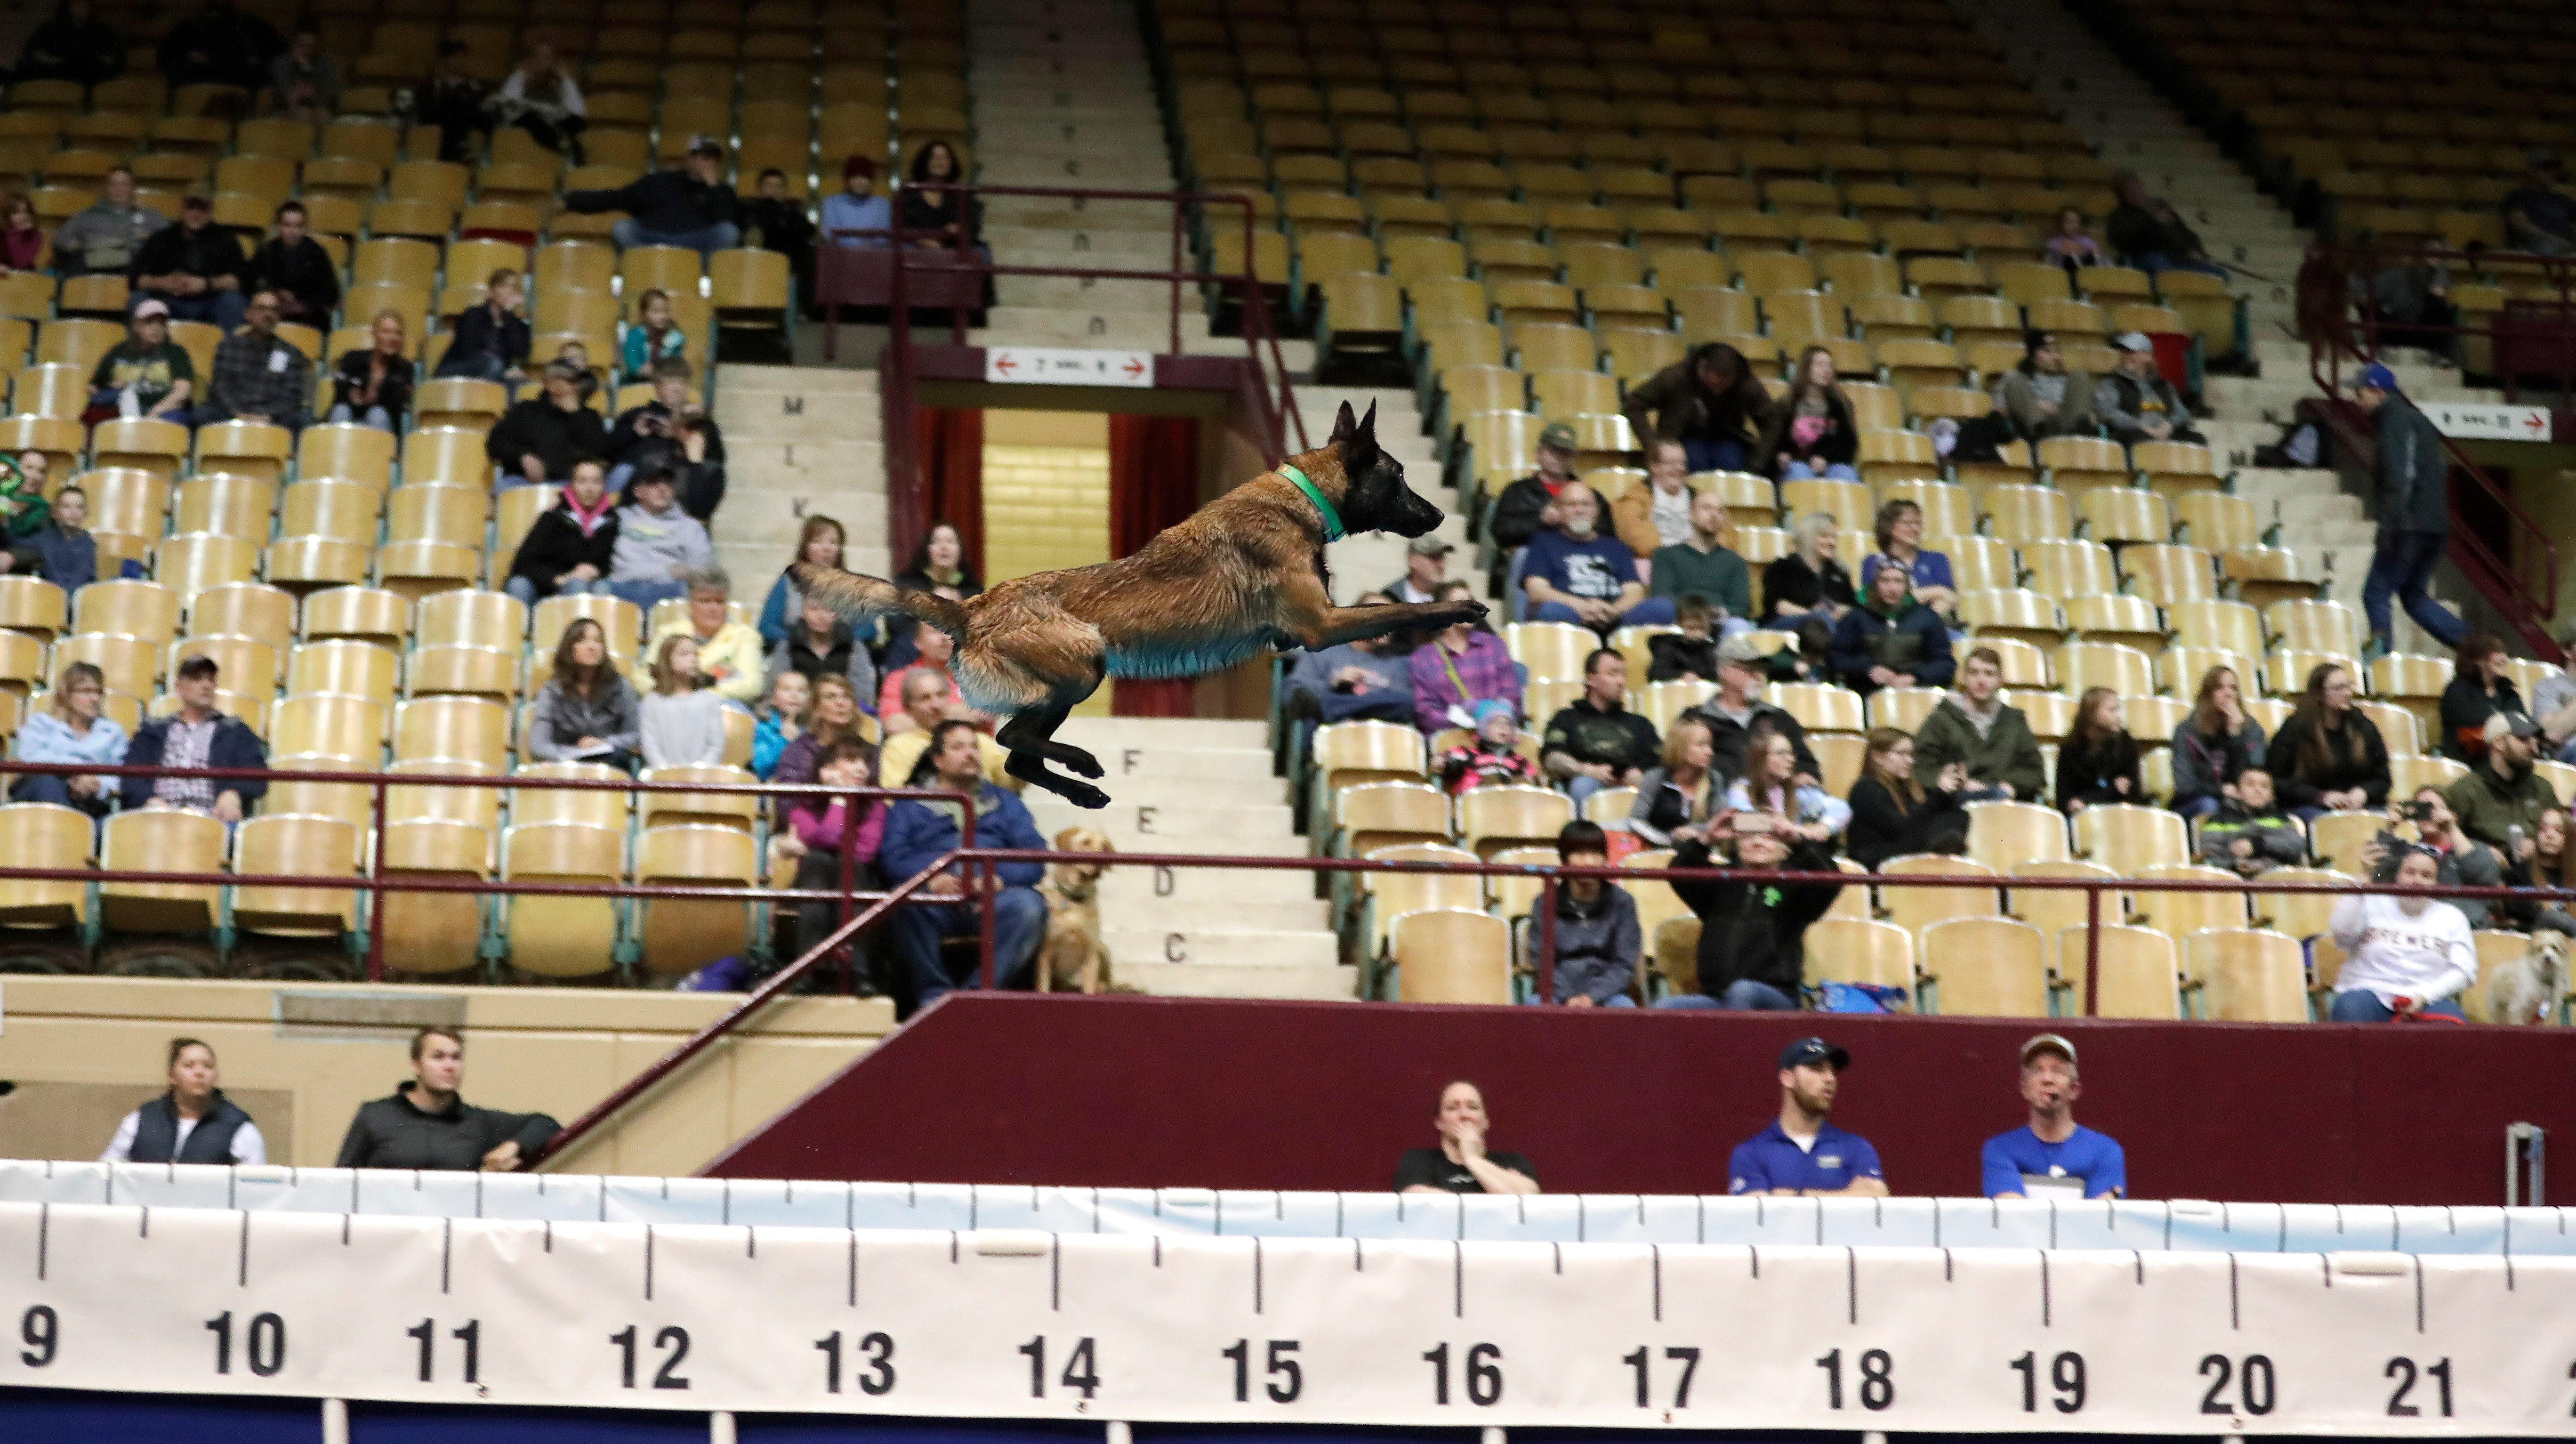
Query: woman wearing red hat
{"x": 857, "y": 207}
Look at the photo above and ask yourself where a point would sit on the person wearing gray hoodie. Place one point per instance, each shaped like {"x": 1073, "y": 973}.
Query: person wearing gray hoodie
{"x": 107, "y": 236}
{"x": 1598, "y": 938}
{"x": 2414, "y": 514}
{"x": 658, "y": 544}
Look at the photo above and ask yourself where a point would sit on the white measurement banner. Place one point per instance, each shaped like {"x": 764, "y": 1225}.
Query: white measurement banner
{"x": 1244, "y": 1331}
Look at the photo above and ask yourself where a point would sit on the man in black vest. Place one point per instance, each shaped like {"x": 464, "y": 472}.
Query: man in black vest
{"x": 426, "y": 1125}
{"x": 192, "y": 1123}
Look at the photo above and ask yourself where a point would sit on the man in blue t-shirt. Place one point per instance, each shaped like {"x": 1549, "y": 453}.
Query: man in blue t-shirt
{"x": 1574, "y": 573}
{"x": 2051, "y": 1157}
{"x": 1801, "y": 1155}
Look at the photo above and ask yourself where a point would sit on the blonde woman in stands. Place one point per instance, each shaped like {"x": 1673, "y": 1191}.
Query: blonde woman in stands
{"x": 2098, "y": 761}
{"x": 683, "y": 721}
{"x": 1770, "y": 785}
{"x": 1677, "y": 802}
{"x": 69, "y": 729}
{"x": 1892, "y": 815}
{"x": 2214, "y": 745}
{"x": 2329, "y": 756}
{"x": 1900, "y": 540}
{"x": 1812, "y": 434}
{"x": 1808, "y": 584}
{"x": 587, "y": 712}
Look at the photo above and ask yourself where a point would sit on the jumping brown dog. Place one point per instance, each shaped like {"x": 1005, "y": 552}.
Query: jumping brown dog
{"x": 1245, "y": 572}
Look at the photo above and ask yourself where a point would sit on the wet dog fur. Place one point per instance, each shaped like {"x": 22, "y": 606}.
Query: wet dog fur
{"x": 1244, "y": 573}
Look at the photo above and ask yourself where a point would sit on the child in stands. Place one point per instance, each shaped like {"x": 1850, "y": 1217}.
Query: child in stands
{"x": 1491, "y": 755}
{"x": 2250, "y": 834}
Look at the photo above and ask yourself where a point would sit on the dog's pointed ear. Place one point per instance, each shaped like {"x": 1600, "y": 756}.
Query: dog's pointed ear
{"x": 1368, "y": 428}
{"x": 1343, "y": 426}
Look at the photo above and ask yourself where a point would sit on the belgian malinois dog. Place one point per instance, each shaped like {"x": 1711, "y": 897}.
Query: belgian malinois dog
{"x": 1245, "y": 572}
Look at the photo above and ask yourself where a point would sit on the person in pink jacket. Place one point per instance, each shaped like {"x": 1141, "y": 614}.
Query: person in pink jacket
{"x": 824, "y": 831}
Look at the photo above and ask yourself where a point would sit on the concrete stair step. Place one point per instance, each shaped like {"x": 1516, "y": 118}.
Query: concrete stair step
{"x": 841, "y": 465}
{"x": 1187, "y": 891}
{"x": 1145, "y": 915}
{"x": 1134, "y": 761}
{"x": 1106, "y": 172}
{"x": 1214, "y": 825}
{"x": 1171, "y": 794}
{"x": 1118, "y": 824}
{"x": 1103, "y": 327}
{"x": 1184, "y": 732}
{"x": 1222, "y": 947}
{"x": 1068, "y": 293}
{"x": 1189, "y": 980}
{"x": 1037, "y": 245}
{"x": 1058, "y": 214}
{"x": 806, "y": 380}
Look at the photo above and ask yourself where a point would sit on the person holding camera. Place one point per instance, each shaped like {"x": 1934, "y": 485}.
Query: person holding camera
{"x": 2459, "y": 860}
{"x": 2406, "y": 958}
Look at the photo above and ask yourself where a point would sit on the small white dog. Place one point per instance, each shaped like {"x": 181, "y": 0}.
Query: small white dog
{"x": 2530, "y": 989}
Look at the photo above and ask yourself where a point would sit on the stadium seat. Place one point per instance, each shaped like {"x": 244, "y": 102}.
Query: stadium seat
{"x": 1844, "y": 950}
{"x": 1493, "y": 818}
{"x": 2251, "y": 976}
{"x": 286, "y": 846}
{"x": 1445, "y": 955}
{"x": 1986, "y": 967}
{"x": 680, "y": 935}
{"x": 2001, "y": 834}
{"x": 42, "y": 835}
{"x": 1916, "y": 908}
{"x": 2128, "y": 839}
{"x": 160, "y": 840}
{"x": 2133, "y": 973}
{"x": 1373, "y": 815}
{"x": 2178, "y": 915}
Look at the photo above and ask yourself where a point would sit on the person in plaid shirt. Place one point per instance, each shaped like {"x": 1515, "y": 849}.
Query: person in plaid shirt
{"x": 196, "y": 736}
{"x": 1459, "y": 668}
{"x": 259, "y": 377}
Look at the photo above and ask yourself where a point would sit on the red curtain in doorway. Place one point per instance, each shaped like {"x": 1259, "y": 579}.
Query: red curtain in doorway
{"x": 950, "y": 444}
{"x": 1153, "y": 484}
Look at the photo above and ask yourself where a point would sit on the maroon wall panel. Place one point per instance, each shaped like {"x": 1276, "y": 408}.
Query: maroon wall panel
{"x": 1168, "y": 1092}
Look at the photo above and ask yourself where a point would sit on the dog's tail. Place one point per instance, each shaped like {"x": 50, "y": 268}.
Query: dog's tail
{"x": 862, "y": 599}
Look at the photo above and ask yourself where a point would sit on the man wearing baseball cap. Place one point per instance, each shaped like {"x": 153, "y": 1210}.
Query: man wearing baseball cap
{"x": 1529, "y": 504}
{"x": 2052, "y": 1156}
{"x": 2414, "y": 515}
{"x": 1801, "y": 1155}
{"x": 1426, "y": 566}
{"x": 2135, "y": 401}
{"x": 195, "y": 267}
{"x": 147, "y": 366}
{"x": 690, "y": 207}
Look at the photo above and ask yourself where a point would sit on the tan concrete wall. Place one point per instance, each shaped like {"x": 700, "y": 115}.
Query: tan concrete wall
{"x": 303, "y": 1056}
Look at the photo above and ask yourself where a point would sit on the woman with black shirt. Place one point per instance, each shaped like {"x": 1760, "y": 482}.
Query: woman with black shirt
{"x": 1461, "y": 1164}
{"x": 1891, "y": 816}
{"x": 1812, "y": 434}
{"x": 2098, "y": 761}
{"x": 2213, "y": 745}
{"x": 573, "y": 544}
{"x": 1807, "y": 584}
{"x": 2480, "y": 688}
{"x": 954, "y": 217}
{"x": 939, "y": 566}
{"x": 2329, "y": 756}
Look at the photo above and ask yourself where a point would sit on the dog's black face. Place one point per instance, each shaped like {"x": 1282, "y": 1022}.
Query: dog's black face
{"x": 1374, "y": 496}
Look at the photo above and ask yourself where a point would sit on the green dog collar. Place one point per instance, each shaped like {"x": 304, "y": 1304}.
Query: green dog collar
{"x": 1332, "y": 519}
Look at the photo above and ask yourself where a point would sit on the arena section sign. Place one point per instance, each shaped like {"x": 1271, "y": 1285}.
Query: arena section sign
{"x": 1026, "y": 1324}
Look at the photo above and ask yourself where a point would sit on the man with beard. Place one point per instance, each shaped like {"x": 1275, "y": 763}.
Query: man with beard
{"x": 1801, "y": 1155}
{"x": 1575, "y": 574}
{"x": 2500, "y": 804}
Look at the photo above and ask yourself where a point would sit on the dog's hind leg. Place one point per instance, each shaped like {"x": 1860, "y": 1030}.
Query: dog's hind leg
{"x": 1031, "y": 748}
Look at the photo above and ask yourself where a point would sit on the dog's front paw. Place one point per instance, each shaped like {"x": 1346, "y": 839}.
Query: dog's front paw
{"x": 1464, "y": 612}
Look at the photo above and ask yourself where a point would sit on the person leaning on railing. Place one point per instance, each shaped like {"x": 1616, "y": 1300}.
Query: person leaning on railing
{"x": 425, "y": 1125}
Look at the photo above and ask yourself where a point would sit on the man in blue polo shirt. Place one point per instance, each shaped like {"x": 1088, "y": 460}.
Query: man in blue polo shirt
{"x": 1801, "y": 1155}
{"x": 2050, "y": 1156}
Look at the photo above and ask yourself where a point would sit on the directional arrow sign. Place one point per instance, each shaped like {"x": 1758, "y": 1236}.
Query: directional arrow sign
{"x": 2471, "y": 420}
{"x": 1067, "y": 366}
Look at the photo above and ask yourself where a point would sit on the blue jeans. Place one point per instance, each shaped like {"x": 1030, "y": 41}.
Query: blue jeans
{"x": 2402, "y": 564}
{"x": 1834, "y": 471}
{"x": 375, "y": 416}
{"x": 105, "y": 398}
{"x": 1651, "y": 612}
{"x": 2363, "y": 1006}
{"x": 706, "y": 240}
{"x": 526, "y": 591}
{"x": 645, "y": 594}
{"x": 1742, "y": 996}
{"x": 1708, "y": 455}
{"x": 58, "y": 791}
{"x": 1019, "y": 922}
{"x": 224, "y": 308}
{"x": 2197, "y": 807}
{"x": 1581, "y": 787}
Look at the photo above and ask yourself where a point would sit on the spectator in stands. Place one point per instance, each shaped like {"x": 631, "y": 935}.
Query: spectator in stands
{"x": 1896, "y": 815}
{"x": 572, "y": 546}
{"x": 1802, "y": 1155}
{"x": 538, "y": 440}
{"x": 1597, "y": 940}
{"x": 1596, "y": 742}
{"x": 219, "y": 45}
{"x": 2097, "y": 764}
{"x": 73, "y": 44}
{"x": 2539, "y": 215}
{"x": 818, "y": 542}
{"x": 193, "y": 738}
{"x": 259, "y": 376}
{"x": 918, "y": 834}
{"x": 587, "y": 711}
{"x": 105, "y": 238}
{"x": 1974, "y": 726}
{"x": 935, "y": 649}
{"x": 857, "y": 207}
{"x": 940, "y": 567}
{"x": 66, "y": 554}
{"x": 296, "y": 267}
{"x": 823, "y": 828}
{"x": 2041, "y": 397}
{"x": 2462, "y": 861}
{"x": 2248, "y": 834}
{"x": 22, "y": 240}
{"x": 1461, "y": 1163}
{"x": 1892, "y": 640}
{"x": 691, "y": 208}
{"x": 2553, "y": 699}
{"x": 773, "y": 220}
{"x": 2549, "y": 855}
{"x": 2052, "y": 1156}
{"x": 1490, "y": 756}
{"x": 1353, "y": 681}
{"x": 652, "y": 336}
{"x": 1812, "y": 433}
{"x": 2499, "y": 803}
{"x": 1807, "y": 585}
{"x": 1702, "y": 565}
{"x": 2414, "y": 503}
{"x": 2329, "y": 757}
{"x": 373, "y": 387}
{"x": 191, "y": 1123}
{"x": 658, "y": 544}
{"x": 1710, "y": 401}
{"x": 1656, "y": 515}
{"x": 454, "y": 102}
{"x": 675, "y": 431}
{"x": 425, "y": 1125}
{"x": 1426, "y": 570}
{"x": 2214, "y": 745}
{"x": 304, "y": 83}
{"x": 835, "y": 715}
{"x": 2150, "y": 236}
{"x": 194, "y": 268}
{"x": 1736, "y": 708}
{"x": 540, "y": 98}
{"x": 2481, "y": 686}
{"x": 1688, "y": 655}
{"x": 820, "y": 643}
{"x": 2406, "y": 294}
{"x": 1900, "y": 541}
{"x": 1574, "y": 574}
{"x": 2136, "y": 402}
{"x": 953, "y": 222}
{"x": 2071, "y": 245}
{"x": 23, "y": 511}
{"x": 926, "y": 697}
{"x": 730, "y": 657}
{"x": 491, "y": 340}
{"x": 2403, "y": 956}
{"x": 1800, "y": 811}
{"x": 778, "y": 721}
{"x": 1460, "y": 669}
{"x": 681, "y": 722}
{"x": 69, "y": 729}
{"x": 1528, "y": 506}
{"x": 147, "y": 374}
{"x": 1681, "y": 799}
